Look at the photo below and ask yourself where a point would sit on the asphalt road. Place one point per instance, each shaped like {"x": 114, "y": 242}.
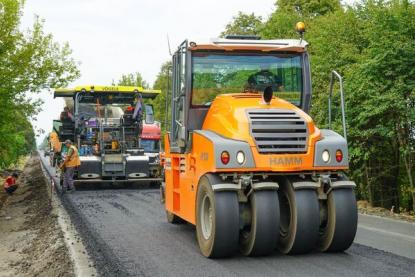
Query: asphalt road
{"x": 127, "y": 234}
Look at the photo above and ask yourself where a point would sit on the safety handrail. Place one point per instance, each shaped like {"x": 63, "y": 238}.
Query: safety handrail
{"x": 335, "y": 74}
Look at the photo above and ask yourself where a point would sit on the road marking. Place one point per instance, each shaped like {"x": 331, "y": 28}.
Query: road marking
{"x": 399, "y": 221}
{"x": 410, "y": 238}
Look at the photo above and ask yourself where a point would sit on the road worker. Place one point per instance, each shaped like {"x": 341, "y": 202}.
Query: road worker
{"x": 10, "y": 184}
{"x": 66, "y": 115}
{"x": 69, "y": 165}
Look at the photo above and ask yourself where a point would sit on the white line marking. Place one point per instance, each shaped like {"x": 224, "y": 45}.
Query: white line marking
{"x": 410, "y": 238}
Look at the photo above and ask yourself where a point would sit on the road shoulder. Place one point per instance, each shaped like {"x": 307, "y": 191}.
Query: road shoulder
{"x": 31, "y": 241}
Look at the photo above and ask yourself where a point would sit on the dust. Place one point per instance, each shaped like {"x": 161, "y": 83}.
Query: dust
{"x": 31, "y": 241}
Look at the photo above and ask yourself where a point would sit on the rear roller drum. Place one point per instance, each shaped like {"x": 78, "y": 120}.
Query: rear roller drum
{"x": 338, "y": 230}
{"x": 259, "y": 237}
{"x": 217, "y": 220}
{"x": 300, "y": 219}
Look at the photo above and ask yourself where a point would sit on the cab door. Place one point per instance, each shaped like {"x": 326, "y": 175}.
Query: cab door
{"x": 178, "y": 132}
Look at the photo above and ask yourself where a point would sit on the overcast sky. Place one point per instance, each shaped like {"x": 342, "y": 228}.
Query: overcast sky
{"x": 112, "y": 37}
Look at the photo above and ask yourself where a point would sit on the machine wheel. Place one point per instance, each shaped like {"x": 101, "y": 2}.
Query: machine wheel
{"x": 174, "y": 219}
{"x": 338, "y": 231}
{"x": 260, "y": 237}
{"x": 300, "y": 219}
{"x": 217, "y": 220}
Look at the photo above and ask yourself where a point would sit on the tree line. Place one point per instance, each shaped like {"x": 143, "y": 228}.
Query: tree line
{"x": 30, "y": 62}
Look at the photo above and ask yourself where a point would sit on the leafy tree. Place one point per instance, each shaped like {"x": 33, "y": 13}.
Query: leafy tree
{"x": 163, "y": 82}
{"x": 243, "y": 24}
{"x": 132, "y": 79}
{"x": 29, "y": 62}
{"x": 384, "y": 86}
{"x": 309, "y": 8}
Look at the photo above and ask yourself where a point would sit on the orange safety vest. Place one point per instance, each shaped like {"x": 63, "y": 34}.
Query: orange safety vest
{"x": 74, "y": 158}
{"x": 55, "y": 143}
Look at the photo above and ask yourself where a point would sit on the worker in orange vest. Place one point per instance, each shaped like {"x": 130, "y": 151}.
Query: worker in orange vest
{"x": 69, "y": 165}
{"x": 10, "y": 184}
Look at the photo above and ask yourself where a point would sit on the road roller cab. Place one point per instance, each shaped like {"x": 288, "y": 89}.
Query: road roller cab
{"x": 244, "y": 161}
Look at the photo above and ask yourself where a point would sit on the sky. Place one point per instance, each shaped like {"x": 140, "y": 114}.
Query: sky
{"x": 114, "y": 37}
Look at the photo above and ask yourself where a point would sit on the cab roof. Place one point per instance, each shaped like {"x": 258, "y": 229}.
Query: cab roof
{"x": 70, "y": 92}
{"x": 295, "y": 45}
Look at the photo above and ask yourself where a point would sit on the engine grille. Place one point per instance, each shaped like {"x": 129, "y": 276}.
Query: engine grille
{"x": 278, "y": 131}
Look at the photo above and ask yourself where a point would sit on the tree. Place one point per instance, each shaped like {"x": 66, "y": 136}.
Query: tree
{"x": 163, "y": 83}
{"x": 243, "y": 24}
{"x": 132, "y": 79}
{"x": 384, "y": 86}
{"x": 29, "y": 62}
{"x": 309, "y": 8}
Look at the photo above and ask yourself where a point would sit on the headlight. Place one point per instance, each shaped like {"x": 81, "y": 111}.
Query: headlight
{"x": 240, "y": 157}
{"x": 325, "y": 156}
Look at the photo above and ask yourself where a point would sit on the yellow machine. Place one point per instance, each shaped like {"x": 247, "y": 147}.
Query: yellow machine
{"x": 244, "y": 162}
{"x": 106, "y": 123}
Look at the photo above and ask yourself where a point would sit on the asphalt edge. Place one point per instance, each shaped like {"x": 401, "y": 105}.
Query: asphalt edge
{"x": 105, "y": 262}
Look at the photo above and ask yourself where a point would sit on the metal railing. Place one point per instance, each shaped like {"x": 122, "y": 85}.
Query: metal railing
{"x": 334, "y": 75}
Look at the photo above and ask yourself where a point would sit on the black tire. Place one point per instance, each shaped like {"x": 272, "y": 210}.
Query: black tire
{"x": 174, "y": 219}
{"x": 300, "y": 219}
{"x": 217, "y": 221}
{"x": 339, "y": 231}
{"x": 260, "y": 238}
{"x": 162, "y": 193}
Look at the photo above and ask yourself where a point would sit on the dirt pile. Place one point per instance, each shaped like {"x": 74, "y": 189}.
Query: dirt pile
{"x": 31, "y": 241}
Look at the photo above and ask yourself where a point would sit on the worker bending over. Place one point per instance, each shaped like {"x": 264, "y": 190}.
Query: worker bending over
{"x": 10, "y": 184}
{"x": 69, "y": 165}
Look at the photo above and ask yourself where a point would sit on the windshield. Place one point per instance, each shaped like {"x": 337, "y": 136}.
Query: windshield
{"x": 88, "y": 110}
{"x": 219, "y": 73}
{"x": 150, "y": 145}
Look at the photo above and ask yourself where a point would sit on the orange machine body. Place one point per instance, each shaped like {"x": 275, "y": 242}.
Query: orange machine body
{"x": 227, "y": 117}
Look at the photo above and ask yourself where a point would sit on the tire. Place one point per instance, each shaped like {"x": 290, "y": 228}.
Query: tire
{"x": 339, "y": 231}
{"x": 174, "y": 219}
{"x": 300, "y": 219}
{"x": 217, "y": 220}
{"x": 260, "y": 238}
{"x": 162, "y": 193}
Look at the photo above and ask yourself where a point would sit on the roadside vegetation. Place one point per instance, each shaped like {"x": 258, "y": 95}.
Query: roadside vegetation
{"x": 30, "y": 62}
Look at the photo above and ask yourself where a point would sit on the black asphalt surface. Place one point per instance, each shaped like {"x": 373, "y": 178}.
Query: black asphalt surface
{"x": 127, "y": 234}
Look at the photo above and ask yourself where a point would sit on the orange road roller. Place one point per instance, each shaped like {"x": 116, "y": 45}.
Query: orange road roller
{"x": 244, "y": 161}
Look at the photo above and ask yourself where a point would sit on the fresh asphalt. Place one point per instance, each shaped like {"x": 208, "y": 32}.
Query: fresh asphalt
{"x": 127, "y": 234}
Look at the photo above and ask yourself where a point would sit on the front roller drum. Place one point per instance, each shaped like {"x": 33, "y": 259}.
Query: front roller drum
{"x": 260, "y": 238}
{"x": 217, "y": 221}
{"x": 300, "y": 219}
{"x": 337, "y": 232}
